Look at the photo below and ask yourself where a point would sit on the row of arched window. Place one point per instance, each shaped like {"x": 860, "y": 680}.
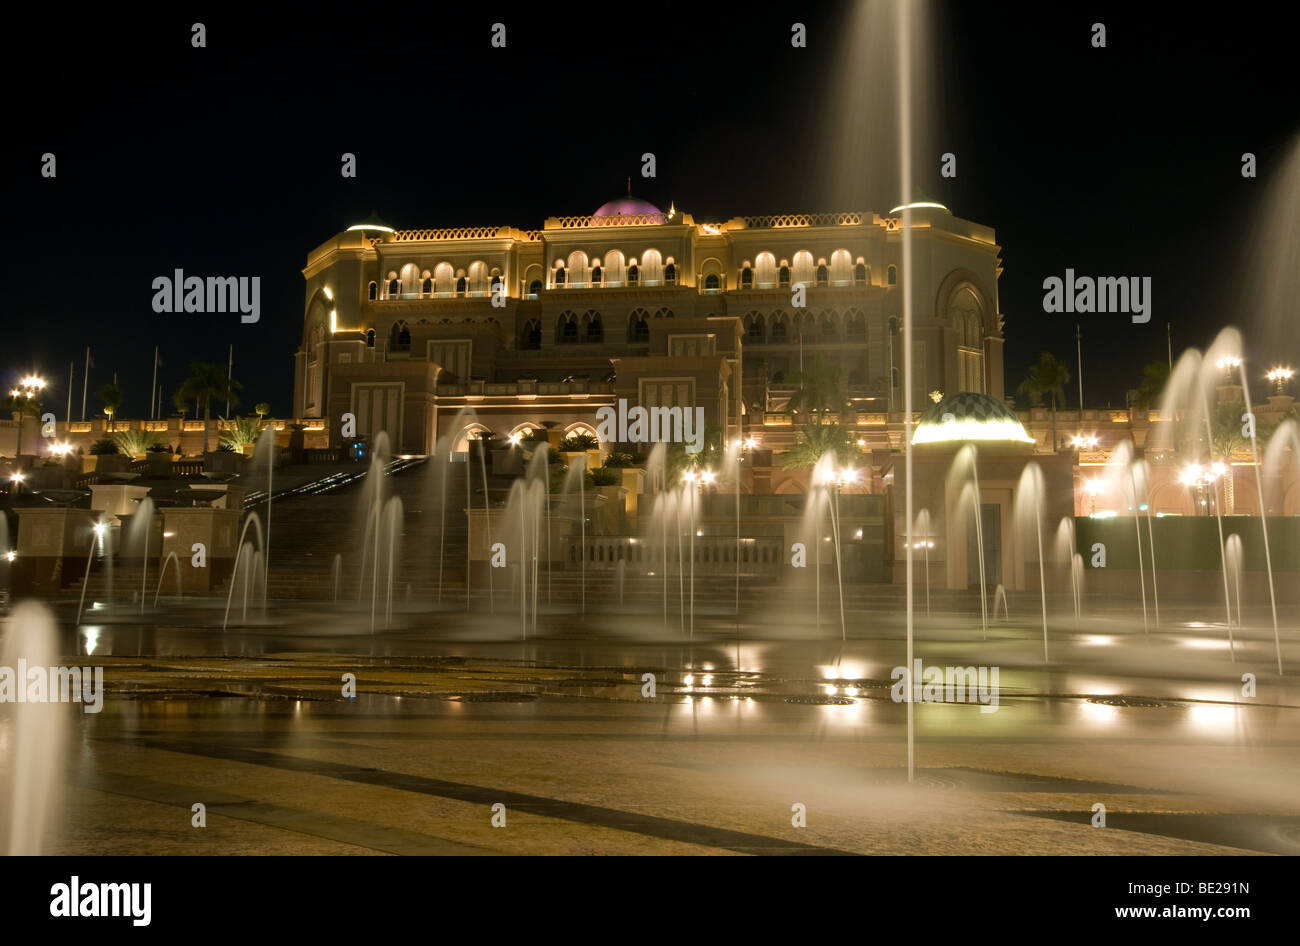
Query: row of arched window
{"x": 572, "y": 329}
{"x": 443, "y": 283}
{"x": 828, "y": 326}
{"x": 613, "y": 270}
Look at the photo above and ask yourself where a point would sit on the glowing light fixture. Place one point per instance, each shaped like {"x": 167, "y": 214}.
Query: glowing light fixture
{"x": 920, "y": 205}
{"x": 972, "y": 428}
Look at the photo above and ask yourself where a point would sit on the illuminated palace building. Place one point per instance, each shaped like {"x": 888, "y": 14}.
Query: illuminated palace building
{"x": 403, "y": 328}
{"x": 520, "y": 336}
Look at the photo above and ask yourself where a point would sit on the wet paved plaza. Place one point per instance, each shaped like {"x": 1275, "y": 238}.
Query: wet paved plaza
{"x": 446, "y": 723}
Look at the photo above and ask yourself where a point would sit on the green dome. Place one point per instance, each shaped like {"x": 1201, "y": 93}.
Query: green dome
{"x": 970, "y": 416}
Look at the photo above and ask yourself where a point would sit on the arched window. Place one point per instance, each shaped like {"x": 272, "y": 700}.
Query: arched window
{"x": 765, "y": 264}
{"x": 638, "y": 329}
{"x": 855, "y": 326}
{"x": 530, "y": 339}
{"x": 664, "y": 314}
{"x": 373, "y": 290}
{"x": 803, "y": 267}
{"x": 462, "y": 285}
{"x": 829, "y": 330}
{"x": 823, "y": 276}
{"x": 746, "y": 278}
{"x": 841, "y": 268}
{"x": 754, "y": 331}
{"x": 399, "y": 339}
{"x": 566, "y": 329}
{"x": 633, "y": 274}
{"x": 394, "y": 288}
{"x": 559, "y": 275}
{"x": 596, "y": 275}
{"x": 893, "y": 377}
{"x": 892, "y": 275}
{"x": 534, "y": 288}
{"x": 426, "y": 287}
{"x": 778, "y": 328}
{"x": 783, "y": 277}
{"x": 893, "y": 326}
{"x": 670, "y": 274}
{"x": 860, "y": 274}
{"x": 711, "y": 282}
{"x": 370, "y": 336}
{"x": 593, "y": 329}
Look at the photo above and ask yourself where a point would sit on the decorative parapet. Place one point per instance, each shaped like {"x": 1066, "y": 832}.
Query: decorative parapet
{"x": 787, "y": 221}
{"x": 614, "y": 220}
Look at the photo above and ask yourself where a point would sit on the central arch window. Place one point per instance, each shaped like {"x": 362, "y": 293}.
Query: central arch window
{"x": 596, "y": 275}
{"x": 559, "y": 275}
{"x": 638, "y": 328}
{"x": 567, "y": 329}
{"x": 891, "y": 275}
{"x": 783, "y": 277}
{"x": 711, "y": 282}
{"x": 670, "y": 274}
{"x": 823, "y": 276}
{"x": 746, "y": 278}
{"x": 633, "y": 274}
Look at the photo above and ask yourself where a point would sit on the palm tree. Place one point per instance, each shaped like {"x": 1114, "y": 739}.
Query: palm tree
{"x": 816, "y": 440}
{"x": 111, "y": 395}
{"x": 206, "y": 382}
{"x": 1047, "y": 378}
{"x": 820, "y": 388}
{"x": 1155, "y": 375}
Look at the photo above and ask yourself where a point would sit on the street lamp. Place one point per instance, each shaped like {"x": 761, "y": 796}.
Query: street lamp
{"x": 1280, "y": 378}
{"x": 27, "y": 389}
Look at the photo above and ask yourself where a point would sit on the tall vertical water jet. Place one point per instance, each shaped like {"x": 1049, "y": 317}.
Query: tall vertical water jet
{"x": 1284, "y": 442}
{"x": 264, "y": 455}
{"x": 968, "y": 491}
{"x": 32, "y": 750}
{"x": 1029, "y": 508}
{"x": 1233, "y": 553}
{"x": 1263, "y": 512}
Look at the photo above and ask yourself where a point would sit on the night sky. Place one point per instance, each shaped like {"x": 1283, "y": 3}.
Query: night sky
{"x": 225, "y": 160}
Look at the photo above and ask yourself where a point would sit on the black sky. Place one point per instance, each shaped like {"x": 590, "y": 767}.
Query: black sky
{"x": 225, "y": 160}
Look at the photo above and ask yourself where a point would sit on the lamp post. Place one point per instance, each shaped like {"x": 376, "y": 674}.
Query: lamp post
{"x": 1280, "y": 377}
{"x": 26, "y": 390}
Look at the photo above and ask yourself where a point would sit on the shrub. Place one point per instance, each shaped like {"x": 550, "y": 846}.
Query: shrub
{"x": 604, "y": 476}
{"x": 241, "y": 432}
{"x": 578, "y": 442}
{"x": 159, "y": 447}
{"x": 620, "y": 460}
{"x": 103, "y": 448}
{"x": 134, "y": 441}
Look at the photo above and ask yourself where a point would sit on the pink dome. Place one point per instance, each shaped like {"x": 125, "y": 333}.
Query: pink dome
{"x": 626, "y": 206}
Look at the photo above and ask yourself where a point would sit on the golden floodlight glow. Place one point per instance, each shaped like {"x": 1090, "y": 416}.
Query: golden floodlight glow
{"x": 334, "y": 320}
{"x": 329, "y": 293}
{"x": 920, "y": 205}
{"x": 372, "y": 226}
{"x": 971, "y": 428}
